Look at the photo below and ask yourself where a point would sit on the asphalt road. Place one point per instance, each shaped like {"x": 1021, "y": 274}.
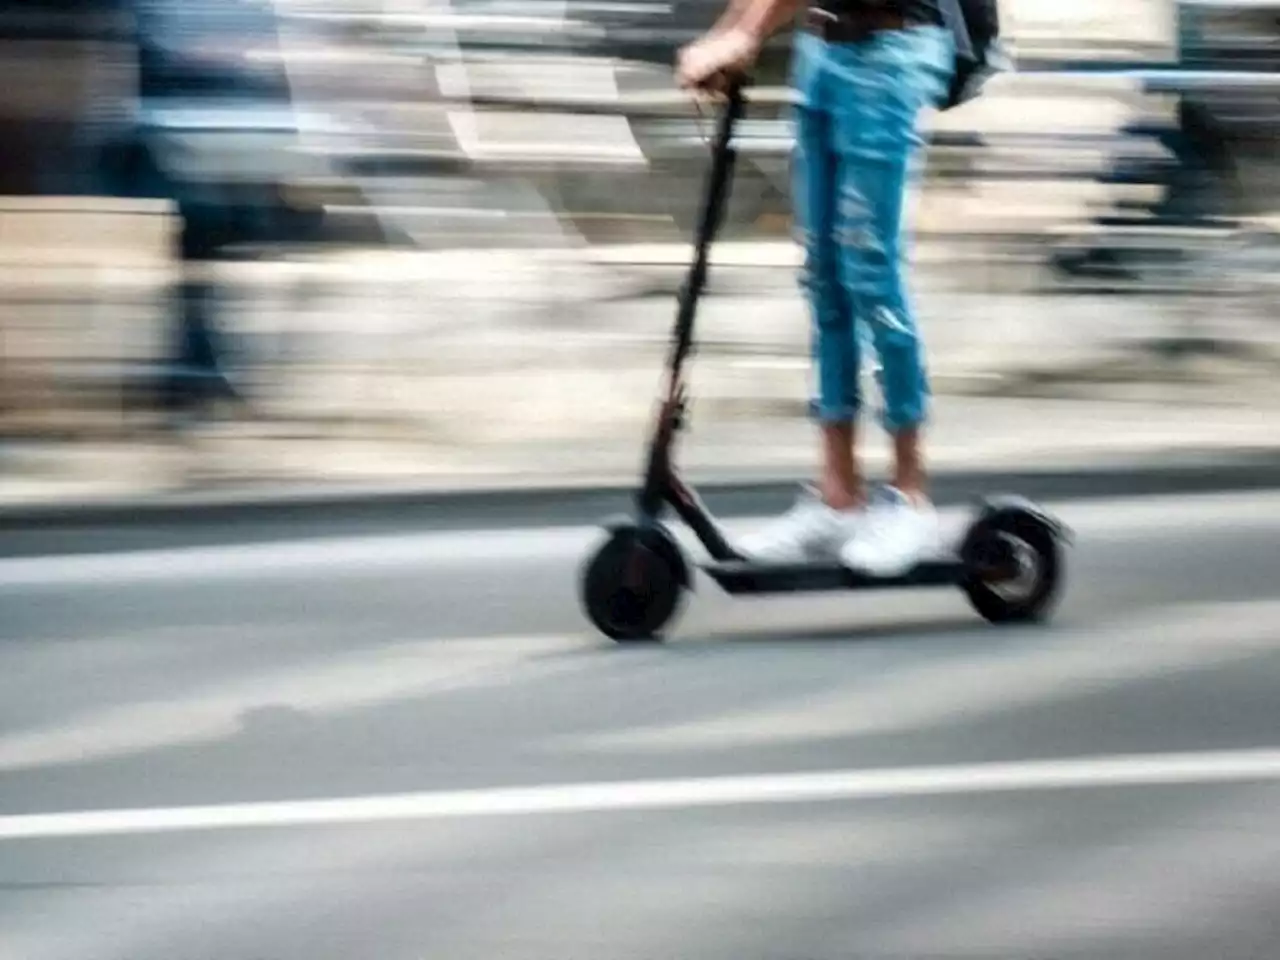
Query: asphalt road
{"x": 411, "y": 747}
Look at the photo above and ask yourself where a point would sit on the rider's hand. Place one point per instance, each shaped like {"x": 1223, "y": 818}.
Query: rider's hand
{"x": 707, "y": 63}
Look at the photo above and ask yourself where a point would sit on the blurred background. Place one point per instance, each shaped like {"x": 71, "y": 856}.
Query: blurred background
{"x": 252, "y": 250}
{"x": 329, "y": 240}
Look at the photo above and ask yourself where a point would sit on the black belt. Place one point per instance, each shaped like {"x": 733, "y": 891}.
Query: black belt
{"x": 848, "y": 24}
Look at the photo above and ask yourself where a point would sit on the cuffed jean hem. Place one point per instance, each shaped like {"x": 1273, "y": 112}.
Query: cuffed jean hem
{"x": 833, "y": 415}
{"x": 903, "y": 422}
{"x": 892, "y": 424}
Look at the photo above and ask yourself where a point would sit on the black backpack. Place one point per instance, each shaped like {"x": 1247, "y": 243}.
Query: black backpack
{"x": 979, "y": 54}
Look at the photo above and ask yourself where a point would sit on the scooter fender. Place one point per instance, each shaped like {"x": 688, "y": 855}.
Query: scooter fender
{"x": 658, "y": 538}
{"x": 1012, "y": 505}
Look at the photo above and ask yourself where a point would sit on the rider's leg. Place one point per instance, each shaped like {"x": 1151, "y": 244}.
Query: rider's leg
{"x": 835, "y": 342}
{"x": 889, "y": 81}
{"x": 821, "y": 523}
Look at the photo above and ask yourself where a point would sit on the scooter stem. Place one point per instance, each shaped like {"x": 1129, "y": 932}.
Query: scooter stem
{"x": 723, "y": 157}
{"x": 659, "y": 481}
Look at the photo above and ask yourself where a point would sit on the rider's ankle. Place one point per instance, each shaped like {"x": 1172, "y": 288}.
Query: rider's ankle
{"x": 841, "y": 496}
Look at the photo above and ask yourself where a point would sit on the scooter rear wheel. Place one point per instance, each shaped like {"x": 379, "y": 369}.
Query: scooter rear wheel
{"x": 632, "y": 586}
{"x": 1013, "y": 568}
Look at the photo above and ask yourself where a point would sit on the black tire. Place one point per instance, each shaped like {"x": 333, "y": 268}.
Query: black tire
{"x": 1018, "y": 541}
{"x": 633, "y": 585}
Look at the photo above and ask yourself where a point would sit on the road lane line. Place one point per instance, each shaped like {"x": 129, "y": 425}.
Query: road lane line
{"x": 1167, "y": 769}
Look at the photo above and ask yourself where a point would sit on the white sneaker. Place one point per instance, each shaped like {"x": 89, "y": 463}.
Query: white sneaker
{"x": 810, "y": 530}
{"x": 894, "y": 536}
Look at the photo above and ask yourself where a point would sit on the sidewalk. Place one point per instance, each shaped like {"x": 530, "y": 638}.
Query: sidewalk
{"x": 983, "y": 435}
{"x": 422, "y": 370}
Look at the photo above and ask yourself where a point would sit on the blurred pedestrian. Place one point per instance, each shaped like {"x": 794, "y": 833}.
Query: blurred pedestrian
{"x": 207, "y": 74}
{"x": 864, "y": 72}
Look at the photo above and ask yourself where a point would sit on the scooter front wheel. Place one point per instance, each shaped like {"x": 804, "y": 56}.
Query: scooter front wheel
{"x": 633, "y": 585}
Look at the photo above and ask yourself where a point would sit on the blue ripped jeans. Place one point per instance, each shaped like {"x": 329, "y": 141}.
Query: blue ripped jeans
{"x": 858, "y": 107}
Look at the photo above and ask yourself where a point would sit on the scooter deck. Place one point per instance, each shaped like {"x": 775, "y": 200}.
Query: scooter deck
{"x": 744, "y": 576}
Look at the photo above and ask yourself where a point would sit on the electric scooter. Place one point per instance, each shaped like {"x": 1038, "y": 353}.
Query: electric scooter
{"x": 1009, "y": 561}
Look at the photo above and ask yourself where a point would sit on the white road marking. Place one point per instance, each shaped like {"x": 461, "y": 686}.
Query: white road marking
{"x": 1168, "y": 769}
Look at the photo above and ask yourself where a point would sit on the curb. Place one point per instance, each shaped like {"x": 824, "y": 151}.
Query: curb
{"x": 259, "y": 514}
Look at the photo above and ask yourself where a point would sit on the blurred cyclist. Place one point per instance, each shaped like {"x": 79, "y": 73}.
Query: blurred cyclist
{"x": 864, "y": 72}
